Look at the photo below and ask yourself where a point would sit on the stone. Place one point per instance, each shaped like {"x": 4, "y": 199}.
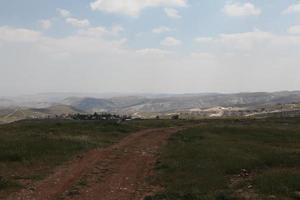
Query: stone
{"x": 297, "y": 195}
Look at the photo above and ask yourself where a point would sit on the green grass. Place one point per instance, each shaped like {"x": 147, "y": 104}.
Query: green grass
{"x": 199, "y": 163}
{"x": 31, "y": 141}
{"x": 30, "y": 149}
{"x": 4, "y": 184}
{"x": 280, "y": 181}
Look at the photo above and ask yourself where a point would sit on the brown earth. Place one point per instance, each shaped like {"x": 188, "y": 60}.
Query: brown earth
{"x": 119, "y": 172}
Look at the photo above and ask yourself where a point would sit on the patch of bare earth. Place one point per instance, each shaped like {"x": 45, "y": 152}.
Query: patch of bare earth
{"x": 246, "y": 192}
{"x": 118, "y": 172}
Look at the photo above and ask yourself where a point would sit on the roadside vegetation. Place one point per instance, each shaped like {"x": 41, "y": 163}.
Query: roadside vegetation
{"x": 232, "y": 159}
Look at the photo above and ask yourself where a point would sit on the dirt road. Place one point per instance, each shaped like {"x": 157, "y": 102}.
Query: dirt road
{"x": 118, "y": 172}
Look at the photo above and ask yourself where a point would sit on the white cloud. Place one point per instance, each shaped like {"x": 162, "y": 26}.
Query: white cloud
{"x": 78, "y": 23}
{"x": 295, "y": 8}
{"x": 204, "y": 39}
{"x": 294, "y": 29}
{"x": 116, "y": 29}
{"x": 240, "y": 10}
{"x": 172, "y": 13}
{"x": 244, "y": 41}
{"x": 247, "y": 61}
{"x": 45, "y": 24}
{"x": 63, "y": 12}
{"x": 76, "y": 44}
{"x": 202, "y": 55}
{"x": 9, "y": 34}
{"x": 170, "y": 41}
{"x": 153, "y": 52}
{"x": 161, "y": 29}
{"x": 132, "y": 7}
{"x": 101, "y": 31}
{"x": 253, "y": 42}
{"x": 94, "y": 32}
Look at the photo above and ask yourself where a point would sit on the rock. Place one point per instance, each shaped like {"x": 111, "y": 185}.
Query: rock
{"x": 297, "y": 195}
{"x": 32, "y": 188}
{"x": 244, "y": 173}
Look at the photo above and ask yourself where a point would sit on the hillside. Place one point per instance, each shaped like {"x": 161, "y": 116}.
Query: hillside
{"x": 149, "y": 106}
{"x": 184, "y": 102}
{"x": 8, "y": 115}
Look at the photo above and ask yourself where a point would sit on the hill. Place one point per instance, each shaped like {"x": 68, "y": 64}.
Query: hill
{"x": 149, "y": 106}
{"x": 8, "y": 115}
{"x": 177, "y": 103}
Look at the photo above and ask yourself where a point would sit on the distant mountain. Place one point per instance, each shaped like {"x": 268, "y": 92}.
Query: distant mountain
{"x": 174, "y": 103}
{"x": 147, "y": 105}
{"x": 58, "y": 110}
{"x": 91, "y": 104}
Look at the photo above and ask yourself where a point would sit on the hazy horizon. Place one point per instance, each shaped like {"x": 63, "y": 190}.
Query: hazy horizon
{"x": 128, "y": 94}
{"x": 152, "y": 47}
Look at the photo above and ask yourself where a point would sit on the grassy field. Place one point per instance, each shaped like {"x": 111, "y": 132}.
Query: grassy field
{"x": 232, "y": 159}
{"x": 217, "y": 159}
{"x": 30, "y": 149}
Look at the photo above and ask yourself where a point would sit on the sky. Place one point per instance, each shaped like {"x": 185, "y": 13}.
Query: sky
{"x": 149, "y": 46}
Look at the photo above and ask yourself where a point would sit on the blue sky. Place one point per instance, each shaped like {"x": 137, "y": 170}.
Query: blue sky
{"x": 163, "y": 33}
{"x": 198, "y": 18}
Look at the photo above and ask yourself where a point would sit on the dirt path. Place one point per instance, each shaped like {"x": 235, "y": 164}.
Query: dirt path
{"x": 118, "y": 172}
